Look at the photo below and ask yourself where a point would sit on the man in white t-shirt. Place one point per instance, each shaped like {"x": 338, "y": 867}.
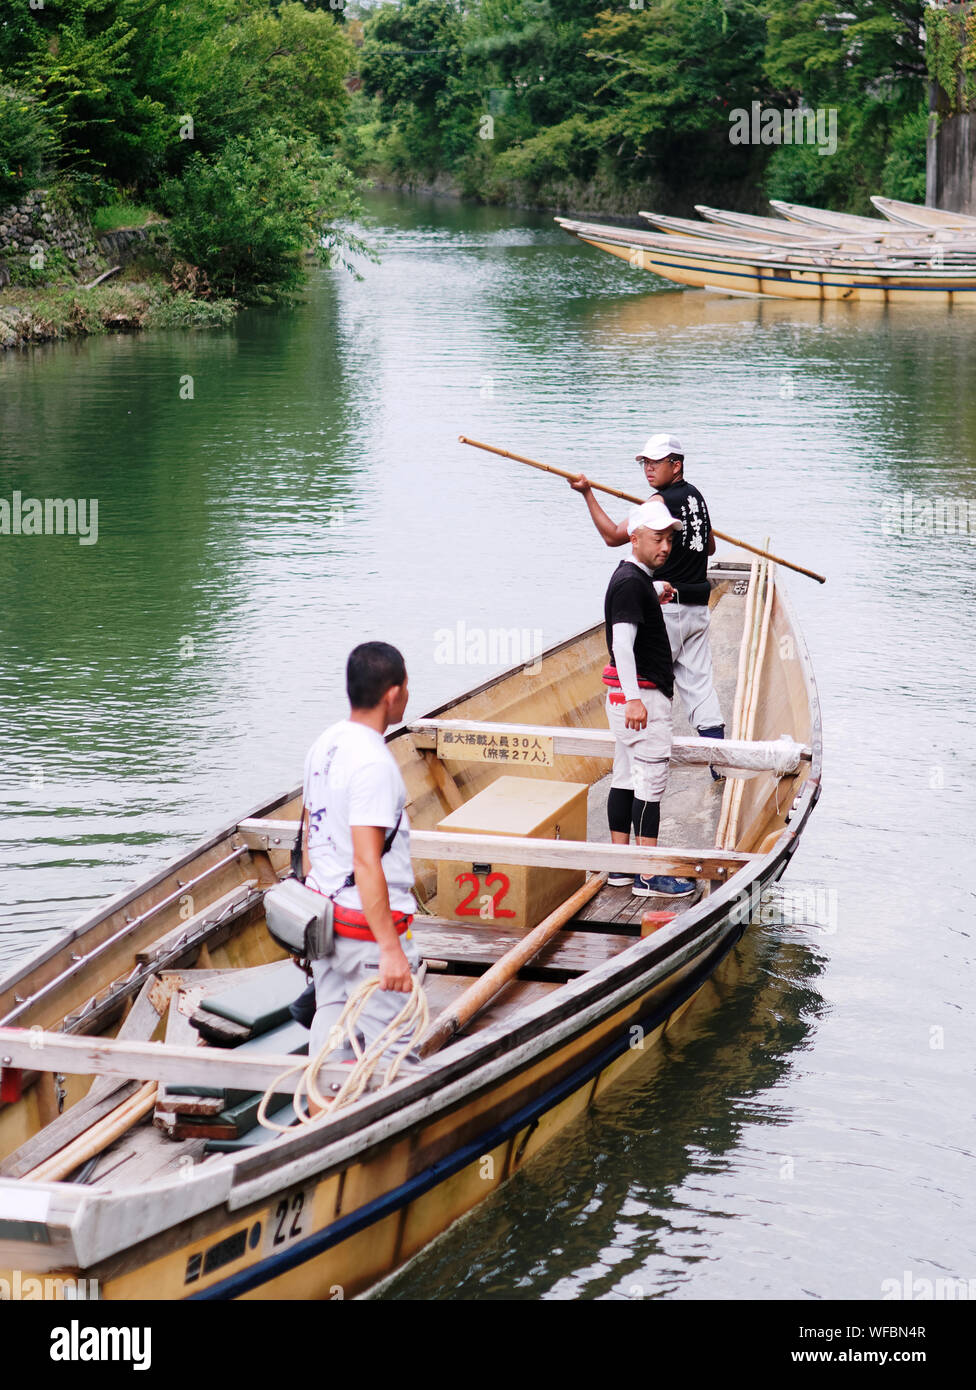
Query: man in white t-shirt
{"x": 357, "y": 848}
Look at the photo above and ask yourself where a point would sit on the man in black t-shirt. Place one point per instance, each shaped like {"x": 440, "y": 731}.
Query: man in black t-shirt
{"x": 639, "y": 677}
{"x": 682, "y": 579}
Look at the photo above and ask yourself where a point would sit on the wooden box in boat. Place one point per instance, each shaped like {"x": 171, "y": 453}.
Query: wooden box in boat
{"x": 516, "y": 895}
{"x": 342, "y": 1204}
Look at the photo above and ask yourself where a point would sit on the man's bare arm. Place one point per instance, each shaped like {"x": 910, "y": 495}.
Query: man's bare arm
{"x": 613, "y": 532}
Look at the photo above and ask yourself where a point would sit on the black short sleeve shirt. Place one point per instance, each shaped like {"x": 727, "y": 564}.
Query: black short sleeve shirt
{"x": 632, "y": 598}
{"x": 686, "y": 568}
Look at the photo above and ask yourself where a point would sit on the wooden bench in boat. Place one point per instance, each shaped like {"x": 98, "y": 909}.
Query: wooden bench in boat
{"x": 716, "y": 865}
{"x": 753, "y": 755}
{"x": 36, "y": 1050}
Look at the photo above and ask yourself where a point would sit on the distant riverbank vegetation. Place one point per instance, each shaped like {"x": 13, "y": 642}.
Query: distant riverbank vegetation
{"x": 590, "y": 105}
{"x": 244, "y": 127}
{"x": 219, "y": 117}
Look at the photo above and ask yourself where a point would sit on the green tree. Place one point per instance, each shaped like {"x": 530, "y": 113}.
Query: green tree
{"x": 27, "y": 143}
{"x": 412, "y": 63}
{"x": 247, "y": 214}
{"x": 868, "y": 62}
{"x": 77, "y": 56}
{"x": 260, "y": 66}
{"x": 862, "y": 50}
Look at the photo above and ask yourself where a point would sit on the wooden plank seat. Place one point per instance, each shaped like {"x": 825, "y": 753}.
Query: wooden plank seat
{"x": 781, "y": 755}
{"x": 258, "y": 1003}
{"x": 580, "y": 854}
{"x": 216, "y": 1067}
{"x": 471, "y": 947}
{"x": 712, "y": 864}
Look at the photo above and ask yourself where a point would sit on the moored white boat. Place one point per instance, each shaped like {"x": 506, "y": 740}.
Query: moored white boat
{"x": 915, "y": 215}
{"x": 938, "y": 275}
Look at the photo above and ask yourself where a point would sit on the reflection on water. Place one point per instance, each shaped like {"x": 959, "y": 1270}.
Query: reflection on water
{"x": 312, "y": 494}
{"x": 644, "y": 1180}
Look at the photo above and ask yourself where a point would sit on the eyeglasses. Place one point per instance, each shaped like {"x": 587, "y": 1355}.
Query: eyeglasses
{"x": 671, "y": 458}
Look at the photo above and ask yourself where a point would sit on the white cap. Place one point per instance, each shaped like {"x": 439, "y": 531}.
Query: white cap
{"x": 654, "y": 515}
{"x": 659, "y": 446}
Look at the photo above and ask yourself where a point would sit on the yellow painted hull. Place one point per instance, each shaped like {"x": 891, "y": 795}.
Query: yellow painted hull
{"x": 777, "y": 282}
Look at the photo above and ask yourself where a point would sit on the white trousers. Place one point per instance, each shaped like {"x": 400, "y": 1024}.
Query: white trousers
{"x": 642, "y": 757}
{"x": 687, "y": 626}
{"x": 338, "y": 975}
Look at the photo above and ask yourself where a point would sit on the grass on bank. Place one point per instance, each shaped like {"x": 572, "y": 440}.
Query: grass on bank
{"x": 114, "y": 216}
{"x": 47, "y": 314}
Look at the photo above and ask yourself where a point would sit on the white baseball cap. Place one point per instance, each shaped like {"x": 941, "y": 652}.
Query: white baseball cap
{"x": 659, "y": 446}
{"x": 652, "y": 514}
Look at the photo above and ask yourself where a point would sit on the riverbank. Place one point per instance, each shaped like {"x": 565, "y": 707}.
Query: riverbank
{"x": 66, "y": 275}
{"x": 67, "y": 309}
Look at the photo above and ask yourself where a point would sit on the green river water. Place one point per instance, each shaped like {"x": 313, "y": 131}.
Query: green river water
{"x": 811, "y": 1134}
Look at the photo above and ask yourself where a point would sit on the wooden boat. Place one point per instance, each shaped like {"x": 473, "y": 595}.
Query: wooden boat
{"x": 713, "y": 231}
{"x": 915, "y": 215}
{"x": 942, "y": 275}
{"x": 822, "y": 217}
{"x": 98, "y": 1184}
{"x": 746, "y": 221}
{"x": 797, "y": 237}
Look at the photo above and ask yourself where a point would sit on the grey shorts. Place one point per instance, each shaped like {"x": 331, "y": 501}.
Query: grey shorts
{"x": 642, "y": 757}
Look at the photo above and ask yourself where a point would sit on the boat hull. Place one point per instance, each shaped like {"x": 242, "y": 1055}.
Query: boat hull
{"x": 737, "y": 276}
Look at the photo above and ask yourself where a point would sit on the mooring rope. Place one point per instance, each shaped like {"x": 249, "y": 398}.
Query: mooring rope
{"x": 407, "y": 1028}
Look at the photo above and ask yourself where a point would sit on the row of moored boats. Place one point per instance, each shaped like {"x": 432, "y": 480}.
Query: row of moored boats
{"x": 910, "y": 252}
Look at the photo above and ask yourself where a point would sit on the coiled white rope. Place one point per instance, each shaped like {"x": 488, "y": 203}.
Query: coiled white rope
{"x": 407, "y": 1028}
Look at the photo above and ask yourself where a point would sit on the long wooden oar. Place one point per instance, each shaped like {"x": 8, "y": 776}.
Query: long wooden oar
{"x": 629, "y": 497}
{"x": 96, "y": 1139}
{"x": 474, "y": 999}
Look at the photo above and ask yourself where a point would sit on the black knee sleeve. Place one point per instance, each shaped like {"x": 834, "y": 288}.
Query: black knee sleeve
{"x": 647, "y": 818}
{"x": 619, "y": 808}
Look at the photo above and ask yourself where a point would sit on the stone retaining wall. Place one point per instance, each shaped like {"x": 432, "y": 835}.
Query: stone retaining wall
{"x": 36, "y": 222}
{"x": 124, "y": 245}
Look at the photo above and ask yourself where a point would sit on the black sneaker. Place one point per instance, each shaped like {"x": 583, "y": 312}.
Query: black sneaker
{"x": 616, "y": 878}
{"x": 660, "y": 885}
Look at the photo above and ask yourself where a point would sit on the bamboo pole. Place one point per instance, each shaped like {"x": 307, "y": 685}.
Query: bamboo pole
{"x": 629, "y": 497}
{"x": 95, "y": 1140}
{"x": 749, "y": 711}
{"x": 449, "y": 1023}
{"x": 740, "y": 685}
